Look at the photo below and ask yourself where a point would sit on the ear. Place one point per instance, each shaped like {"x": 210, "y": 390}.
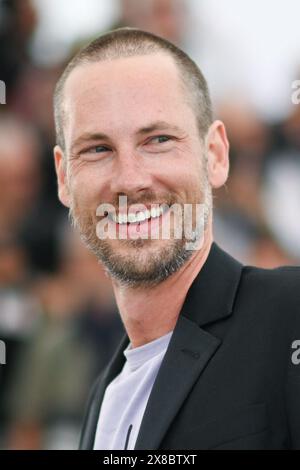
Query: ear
{"x": 60, "y": 167}
{"x": 217, "y": 148}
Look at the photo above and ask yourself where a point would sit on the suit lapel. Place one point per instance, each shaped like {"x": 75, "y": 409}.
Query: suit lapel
{"x": 189, "y": 351}
{"x": 209, "y": 299}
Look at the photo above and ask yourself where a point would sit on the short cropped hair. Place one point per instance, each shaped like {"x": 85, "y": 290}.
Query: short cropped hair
{"x": 130, "y": 42}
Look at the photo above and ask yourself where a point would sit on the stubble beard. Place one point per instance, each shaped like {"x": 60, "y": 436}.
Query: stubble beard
{"x": 142, "y": 262}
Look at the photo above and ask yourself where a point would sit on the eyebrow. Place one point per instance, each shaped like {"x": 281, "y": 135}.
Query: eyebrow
{"x": 159, "y": 126}
{"x": 154, "y": 126}
{"x": 88, "y": 137}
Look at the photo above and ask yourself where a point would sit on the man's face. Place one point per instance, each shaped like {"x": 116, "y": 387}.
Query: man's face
{"x": 130, "y": 131}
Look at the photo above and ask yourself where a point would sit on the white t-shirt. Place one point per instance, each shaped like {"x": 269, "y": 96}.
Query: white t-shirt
{"x": 126, "y": 397}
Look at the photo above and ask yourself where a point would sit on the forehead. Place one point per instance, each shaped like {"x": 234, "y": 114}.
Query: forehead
{"x": 128, "y": 91}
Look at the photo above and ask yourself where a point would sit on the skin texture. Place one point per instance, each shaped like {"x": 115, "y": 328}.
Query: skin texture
{"x": 127, "y": 100}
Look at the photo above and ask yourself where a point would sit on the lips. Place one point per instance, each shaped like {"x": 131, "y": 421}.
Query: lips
{"x": 137, "y": 215}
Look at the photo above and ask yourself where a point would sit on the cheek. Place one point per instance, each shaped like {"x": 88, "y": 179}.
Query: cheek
{"x": 85, "y": 189}
{"x": 189, "y": 179}
{"x": 186, "y": 170}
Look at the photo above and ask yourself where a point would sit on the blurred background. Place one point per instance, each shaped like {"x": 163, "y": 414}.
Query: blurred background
{"x": 57, "y": 313}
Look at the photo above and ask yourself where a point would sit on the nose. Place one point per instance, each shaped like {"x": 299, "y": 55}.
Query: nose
{"x": 130, "y": 177}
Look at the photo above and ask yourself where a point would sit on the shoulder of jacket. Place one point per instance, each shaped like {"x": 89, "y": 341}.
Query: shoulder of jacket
{"x": 289, "y": 275}
{"x": 278, "y": 289}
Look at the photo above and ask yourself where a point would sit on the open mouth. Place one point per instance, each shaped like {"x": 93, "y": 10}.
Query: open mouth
{"x": 141, "y": 224}
{"x": 138, "y": 217}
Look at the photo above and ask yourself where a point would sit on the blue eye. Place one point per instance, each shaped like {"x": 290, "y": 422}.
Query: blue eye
{"x": 161, "y": 139}
{"x": 92, "y": 153}
{"x": 100, "y": 149}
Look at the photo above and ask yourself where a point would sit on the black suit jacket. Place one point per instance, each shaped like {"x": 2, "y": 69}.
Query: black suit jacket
{"x": 230, "y": 378}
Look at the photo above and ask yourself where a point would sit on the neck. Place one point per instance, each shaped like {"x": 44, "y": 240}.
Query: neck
{"x": 150, "y": 313}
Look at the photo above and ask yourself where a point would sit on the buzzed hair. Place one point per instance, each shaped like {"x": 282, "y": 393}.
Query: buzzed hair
{"x": 131, "y": 42}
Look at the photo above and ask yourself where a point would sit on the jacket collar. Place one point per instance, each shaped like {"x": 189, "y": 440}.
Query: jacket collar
{"x": 212, "y": 294}
{"x": 210, "y": 298}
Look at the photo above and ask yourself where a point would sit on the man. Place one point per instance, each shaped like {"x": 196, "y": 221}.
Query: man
{"x": 210, "y": 358}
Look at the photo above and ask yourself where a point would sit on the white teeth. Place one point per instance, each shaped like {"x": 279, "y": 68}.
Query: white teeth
{"x": 131, "y": 218}
{"x": 153, "y": 212}
{"x": 156, "y": 212}
{"x": 138, "y": 217}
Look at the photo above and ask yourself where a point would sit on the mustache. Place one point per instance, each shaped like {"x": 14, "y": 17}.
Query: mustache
{"x": 146, "y": 198}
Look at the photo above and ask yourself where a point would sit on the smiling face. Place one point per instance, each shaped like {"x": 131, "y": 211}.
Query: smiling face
{"x": 130, "y": 131}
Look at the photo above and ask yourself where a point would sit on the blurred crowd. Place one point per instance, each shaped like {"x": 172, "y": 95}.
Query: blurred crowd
{"x": 57, "y": 313}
